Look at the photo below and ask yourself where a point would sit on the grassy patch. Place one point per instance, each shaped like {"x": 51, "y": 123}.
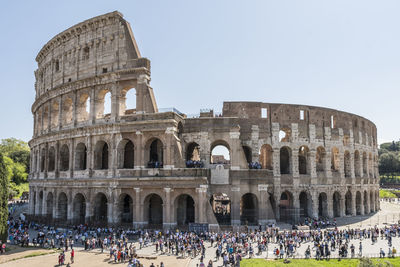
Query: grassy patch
{"x": 386, "y": 194}
{"x": 314, "y": 263}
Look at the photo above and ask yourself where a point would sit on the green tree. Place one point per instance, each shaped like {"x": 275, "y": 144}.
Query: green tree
{"x": 389, "y": 163}
{"x": 9, "y": 145}
{"x": 3, "y": 199}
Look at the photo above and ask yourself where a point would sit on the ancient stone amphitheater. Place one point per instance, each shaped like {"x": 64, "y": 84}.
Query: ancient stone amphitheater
{"x": 144, "y": 167}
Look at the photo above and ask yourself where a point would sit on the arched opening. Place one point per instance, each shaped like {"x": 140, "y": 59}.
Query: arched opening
{"x": 348, "y": 203}
{"x": 128, "y": 101}
{"x": 185, "y": 210}
{"x": 366, "y": 211}
{"x": 101, "y": 156}
{"x": 323, "y": 205}
{"x": 103, "y": 104}
{"x": 284, "y": 135}
{"x": 371, "y": 200}
{"x": 100, "y": 208}
{"x": 249, "y": 209}
{"x": 266, "y": 157}
{"x": 83, "y": 107}
{"x": 80, "y": 157}
{"x": 42, "y": 160}
{"x": 320, "y": 159}
{"x": 364, "y": 162}
{"x": 62, "y": 207}
{"x": 126, "y": 208}
{"x": 357, "y": 164}
{"x": 193, "y": 155}
{"x": 358, "y": 203}
{"x": 107, "y": 104}
{"x": 247, "y": 153}
{"x": 336, "y": 204}
{"x": 79, "y": 209}
{"x": 40, "y": 203}
{"x": 286, "y": 210}
{"x": 347, "y": 164}
{"x": 335, "y": 159}
{"x": 49, "y": 205}
{"x": 303, "y": 160}
{"x": 370, "y": 166}
{"x": 55, "y": 111}
{"x": 305, "y": 205}
{"x": 67, "y": 111}
{"x": 285, "y": 160}
{"x": 155, "y": 153}
{"x": 64, "y": 158}
{"x": 129, "y": 153}
{"x": 220, "y": 153}
{"x": 154, "y": 210}
{"x": 52, "y": 159}
{"x": 221, "y": 205}
{"x": 45, "y": 118}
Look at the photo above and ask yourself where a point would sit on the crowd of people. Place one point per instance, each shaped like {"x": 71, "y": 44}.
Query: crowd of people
{"x": 322, "y": 240}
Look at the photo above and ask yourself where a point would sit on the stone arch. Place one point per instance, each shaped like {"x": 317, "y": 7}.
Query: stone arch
{"x": 286, "y": 206}
{"x": 336, "y": 204}
{"x": 323, "y": 205}
{"x": 40, "y": 204}
{"x": 83, "y": 108}
{"x": 185, "y": 209}
{"x": 366, "y": 211}
{"x": 128, "y": 101}
{"x": 347, "y": 164}
{"x": 358, "y": 203}
{"x": 155, "y": 153}
{"x": 357, "y": 163}
{"x": 221, "y": 146}
{"x": 67, "y": 110}
{"x": 126, "y": 154}
{"x": 62, "y": 207}
{"x": 42, "y": 160}
{"x": 320, "y": 159}
{"x": 80, "y": 157}
{"x": 79, "y": 209}
{"x": 49, "y": 205}
{"x": 364, "y": 163}
{"x": 64, "y": 158}
{"x": 55, "y": 113}
{"x": 193, "y": 151}
{"x": 249, "y": 209}
{"x": 304, "y": 162}
{"x": 335, "y": 159}
{"x": 348, "y": 203}
{"x": 125, "y": 208}
{"x": 103, "y": 103}
{"x": 100, "y": 208}
{"x": 305, "y": 204}
{"x": 153, "y": 210}
{"x": 101, "y": 155}
{"x": 45, "y": 118}
{"x": 266, "y": 152}
{"x": 285, "y": 160}
{"x": 221, "y": 206}
{"x": 52, "y": 159}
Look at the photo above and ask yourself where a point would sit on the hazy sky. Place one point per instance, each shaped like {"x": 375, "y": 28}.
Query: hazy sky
{"x": 338, "y": 54}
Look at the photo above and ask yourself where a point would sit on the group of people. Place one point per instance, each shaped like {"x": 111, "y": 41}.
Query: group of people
{"x": 194, "y": 164}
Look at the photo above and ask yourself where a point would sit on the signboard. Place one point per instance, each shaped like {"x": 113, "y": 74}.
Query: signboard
{"x": 198, "y": 227}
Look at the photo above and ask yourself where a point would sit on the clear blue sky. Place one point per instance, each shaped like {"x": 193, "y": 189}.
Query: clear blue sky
{"x": 338, "y": 54}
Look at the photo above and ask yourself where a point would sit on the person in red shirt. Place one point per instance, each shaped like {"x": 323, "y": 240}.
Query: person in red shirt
{"x": 72, "y": 255}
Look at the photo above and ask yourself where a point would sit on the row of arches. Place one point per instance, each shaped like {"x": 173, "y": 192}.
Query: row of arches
{"x": 153, "y": 208}
{"x": 101, "y": 156}
{"x": 60, "y": 111}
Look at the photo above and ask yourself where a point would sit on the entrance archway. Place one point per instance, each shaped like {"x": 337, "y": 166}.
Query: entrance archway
{"x": 305, "y": 205}
{"x": 221, "y": 206}
{"x": 79, "y": 209}
{"x": 348, "y": 202}
{"x": 249, "y": 209}
{"x": 125, "y": 209}
{"x": 336, "y": 204}
{"x": 49, "y": 205}
{"x": 62, "y": 207}
{"x": 154, "y": 210}
{"x": 358, "y": 203}
{"x": 323, "y": 205}
{"x": 185, "y": 209}
{"x": 100, "y": 208}
{"x": 286, "y": 207}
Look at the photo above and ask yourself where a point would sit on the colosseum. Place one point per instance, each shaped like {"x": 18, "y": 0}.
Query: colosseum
{"x": 96, "y": 158}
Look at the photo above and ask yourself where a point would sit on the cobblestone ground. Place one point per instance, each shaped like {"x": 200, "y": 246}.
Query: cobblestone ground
{"x": 390, "y": 213}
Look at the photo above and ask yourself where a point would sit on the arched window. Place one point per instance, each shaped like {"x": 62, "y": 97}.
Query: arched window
{"x": 81, "y": 157}
{"x": 357, "y": 163}
{"x": 127, "y": 154}
{"x": 64, "y": 158}
{"x": 42, "y": 160}
{"x": 67, "y": 110}
{"x": 54, "y": 114}
{"x": 103, "y": 104}
{"x": 320, "y": 159}
{"x": 155, "y": 150}
{"x": 101, "y": 156}
{"x": 128, "y": 101}
{"x": 83, "y": 107}
{"x": 52, "y": 159}
{"x": 303, "y": 160}
{"x": 285, "y": 154}
{"x": 220, "y": 153}
{"x": 335, "y": 160}
{"x": 364, "y": 160}
{"x": 266, "y": 157}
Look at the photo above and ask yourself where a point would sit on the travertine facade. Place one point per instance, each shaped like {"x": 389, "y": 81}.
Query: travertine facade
{"x": 129, "y": 166}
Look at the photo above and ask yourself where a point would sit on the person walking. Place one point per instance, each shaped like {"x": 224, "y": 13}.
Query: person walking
{"x": 72, "y": 255}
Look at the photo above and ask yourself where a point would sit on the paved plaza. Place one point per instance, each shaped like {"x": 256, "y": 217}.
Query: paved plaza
{"x": 390, "y": 213}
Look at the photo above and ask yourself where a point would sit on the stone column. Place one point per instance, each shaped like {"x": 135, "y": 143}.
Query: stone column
{"x": 92, "y": 114}
{"x": 362, "y": 211}
{"x": 55, "y": 196}
{"x": 88, "y": 211}
{"x": 235, "y": 206}
{"x": 60, "y": 112}
{"x": 31, "y": 201}
{"x": 37, "y": 202}
{"x": 202, "y": 199}
{"x": 114, "y": 157}
{"x": 342, "y": 205}
{"x": 353, "y": 203}
{"x": 168, "y": 148}
{"x": 139, "y": 220}
{"x": 139, "y": 151}
{"x": 329, "y": 204}
{"x": 368, "y": 211}
{"x": 114, "y": 102}
{"x": 276, "y": 164}
{"x": 57, "y": 160}
{"x": 352, "y": 171}
{"x": 167, "y": 222}
{"x": 264, "y": 205}
{"x": 314, "y": 201}
{"x": 90, "y": 157}
{"x": 295, "y": 164}
{"x": 71, "y": 157}
{"x": 313, "y": 166}
{"x": 296, "y": 206}
{"x": 70, "y": 215}
{"x": 44, "y": 204}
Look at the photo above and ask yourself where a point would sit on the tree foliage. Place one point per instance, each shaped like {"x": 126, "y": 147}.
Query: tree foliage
{"x": 3, "y": 199}
{"x": 389, "y": 158}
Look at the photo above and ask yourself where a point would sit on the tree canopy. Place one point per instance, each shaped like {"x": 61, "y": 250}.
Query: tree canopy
{"x": 3, "y": 199}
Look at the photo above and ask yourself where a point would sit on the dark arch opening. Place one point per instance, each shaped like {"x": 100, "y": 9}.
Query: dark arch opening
{"x": 286, "y": 210}
{"x": 129, "y": 154}
{"x": 249, "y": 209}
{"x": 52, "y": 159}
{"x": 79, "y": 209}
{"x": 348, "y": 202}
{"x": 62, "y": 207}
{"x": 336, "y": 204}
{"x": 126, "y": 208}
{"x": 323, "y": 205}
{"x": 285, "y": 160}
{"x": 81, "y": 157}
{"x": 64, "y": 158}
{"x": 100, "y": 208}
{"x": 156, "y": 154}
{"x": 305, "y": 205}
{"x": 101, "y": 156}
{"x": 185, "y": 211}
{"x": 49, "y": 205}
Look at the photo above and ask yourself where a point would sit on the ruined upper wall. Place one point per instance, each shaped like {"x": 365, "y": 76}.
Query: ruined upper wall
{"x": 99, "y": 45}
